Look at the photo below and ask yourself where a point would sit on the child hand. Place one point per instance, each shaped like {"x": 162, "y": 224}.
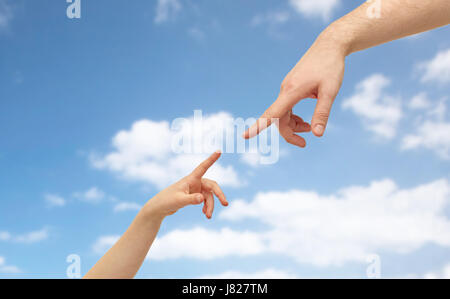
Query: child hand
{"x": 191, "y": 190}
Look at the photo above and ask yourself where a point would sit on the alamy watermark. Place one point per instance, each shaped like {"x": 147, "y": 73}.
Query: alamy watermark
{"x": 74, "y": 9}
{"x": 374, "y": 9}
{"x": 199, "y": 135}
{"x": 73, "y": 271}
{"x": 373, "y": 270}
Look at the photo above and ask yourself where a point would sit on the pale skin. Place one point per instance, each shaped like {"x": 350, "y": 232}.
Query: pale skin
{"x": 318, "y": 75}
{"x": 320, "y": 72}
{"x": 125, "y": 258}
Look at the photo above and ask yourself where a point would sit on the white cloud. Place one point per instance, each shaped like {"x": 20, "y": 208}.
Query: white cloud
{"x": 126, "y": 206}
{"x": 442, "y": 274}
{"x": 8, "y": 269}
{"x": 265, "y": 274}
{"x": 379, "y": 112}
{"x": 321, "y": 230}
{"x": 271, "y": 18}
{"x": 196, "y": 33}
{"x": 32, "y": 237}
{"x": 145, "y": 152}
{"x": 53, "y": 200}
{"x": 251, "y": 159}
{"x": 420, "y": 101}
{"x": 315, "y": 8}
{"x": 166, "y": 9}
{"x": 5, "y": 236}
{"x": 6, "y": 14}
{"x": 253, "y": 156}
{"x": 205, "y": 244}
{"x": 26, "y": 238}
{"x": 437, "y": 69}
{"x": 433, "y": 133}
{"x": 104, "y": 243}
{"x": 94, "y": 195}
{"x": 439, "y": 111}
{"x": 351, "y": 224}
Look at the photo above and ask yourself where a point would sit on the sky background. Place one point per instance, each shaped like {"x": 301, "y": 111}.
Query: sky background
{"x": 378, "y": 183}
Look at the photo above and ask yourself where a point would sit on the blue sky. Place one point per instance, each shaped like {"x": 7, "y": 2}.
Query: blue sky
{"x": 69, "y": 86}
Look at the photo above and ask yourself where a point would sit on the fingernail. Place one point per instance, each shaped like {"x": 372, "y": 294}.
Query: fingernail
{"x": 319, "y": 129}
{"x": 199, "y": 197}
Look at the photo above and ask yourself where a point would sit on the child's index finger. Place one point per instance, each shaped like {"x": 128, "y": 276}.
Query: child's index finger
{"x": 200, "y": 171}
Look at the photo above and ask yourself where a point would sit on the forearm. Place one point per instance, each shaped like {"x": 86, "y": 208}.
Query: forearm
{"x": 125, "y": 258}
{"x": 363, "y": 28}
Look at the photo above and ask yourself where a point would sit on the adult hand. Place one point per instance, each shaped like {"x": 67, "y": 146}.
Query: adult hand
{"x": 318, "y": 75}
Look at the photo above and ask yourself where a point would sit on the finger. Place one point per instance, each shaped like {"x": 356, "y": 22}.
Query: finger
{"x": 184, "y": 187}
{"x": 293, "y": 121}
{"x": 205, "y": 204}
{"x": 288, "y": 134}
{"x": 297, "y": 119}
{"x": 300, "y": 126}
{"x": 278, "y": 109}
{"x": 192, "y": 199}
{"x": 214, "y": 187}
{"x": 209, "y": 199}
{"x": 288, "y": 97}
{"x": 322, "y": 112}
{"x": 205, "y": 165}
{"x": 261, "y": 124}
{"x": 294, "y": 139}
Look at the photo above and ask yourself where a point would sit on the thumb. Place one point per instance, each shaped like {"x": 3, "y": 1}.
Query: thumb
{"x": 321, "y": 115}
{"x": 192, "y": 199}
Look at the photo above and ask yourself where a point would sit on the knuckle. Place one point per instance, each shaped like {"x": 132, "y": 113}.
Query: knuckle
{"x": 329, "y": 91}
{"x": 327, "y": 95}
{"x": 265, "y": 118}
{"x": 287, "y": 86}
{"x": 267, "y": 115}
{"x": 322, "y": 116}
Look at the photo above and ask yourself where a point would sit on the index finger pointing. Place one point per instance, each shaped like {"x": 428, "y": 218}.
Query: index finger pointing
{"x": 261, "y": 124}
{"x": 277, "y": 110}
{"x": 205, "y": 165}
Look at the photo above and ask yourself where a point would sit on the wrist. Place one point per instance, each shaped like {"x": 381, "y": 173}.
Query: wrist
{"x": 336, "y": 37}
{"x": 150, "y": 213}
